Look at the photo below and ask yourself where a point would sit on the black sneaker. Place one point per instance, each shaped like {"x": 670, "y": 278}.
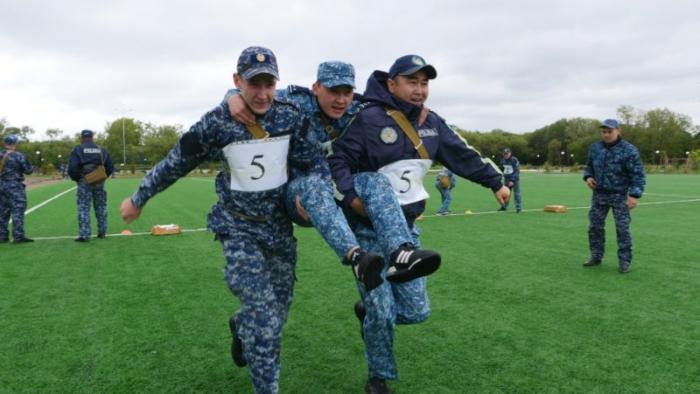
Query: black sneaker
{"x": 4, "y": 240}
{"x": 81, "y": 239}
{"x": 408, "y": 263}
{"x": 360, "y": 312}
{"x": 592, "y": 262}
{"x": 101, "y": 236}
{"x": 377, "y": 386}
{"x": 22, "y": 240}
{"x": 236, "y": 345}
{"x": 367, "y": 268}
{"x": 502, "y": 209}
{"x": 624, "y": 267}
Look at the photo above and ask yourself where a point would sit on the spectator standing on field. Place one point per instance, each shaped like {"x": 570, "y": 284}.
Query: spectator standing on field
{"x": 615, "y": 173}
{"x": 13, "y": 198}
{"x": 85, "y": 162}
{"x": 511, "y": 178}
{"x": 445, "y": 181}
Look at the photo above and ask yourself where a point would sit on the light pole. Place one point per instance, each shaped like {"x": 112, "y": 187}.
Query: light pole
{"x": 38, "y": 153}
{"x": 124, "y": 112}
{"x": 658, "y": 158}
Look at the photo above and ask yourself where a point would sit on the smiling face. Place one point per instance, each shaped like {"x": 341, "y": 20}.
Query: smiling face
{"x": 335, "y": 101}
{"x": 412, "y": 88}
{"x": 257, "y": 92}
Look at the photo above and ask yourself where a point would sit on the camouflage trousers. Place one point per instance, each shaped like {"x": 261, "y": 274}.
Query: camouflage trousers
{"x": 600, "y": 205}
{"x": 13, "y": 203}
{"x": 97, "y": 195}
{"x": 516, "y": 194}
{"x": 376, "y": 194}
{"x": 260, "y": 272}
{"x": 446, "y": 198}
{"x": 386, "y": 306}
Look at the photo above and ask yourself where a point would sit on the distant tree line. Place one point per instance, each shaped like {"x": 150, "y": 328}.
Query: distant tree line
{"x": 661, "y": 135}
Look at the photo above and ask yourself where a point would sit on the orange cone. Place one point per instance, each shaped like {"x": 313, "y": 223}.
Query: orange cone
{"x": 126, "y": 232}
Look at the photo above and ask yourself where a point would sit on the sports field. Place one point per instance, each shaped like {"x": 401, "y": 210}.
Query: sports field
{"x": 513, "y": 310}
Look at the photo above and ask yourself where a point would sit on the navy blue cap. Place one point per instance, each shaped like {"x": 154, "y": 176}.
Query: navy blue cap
{"x": 332, "y": 74}
{"x": 610, "y": 124}
{"x": 411, "y": 64}
{"x": 255, "y": 61}
{"x": 11, "y": 139}
{"x": 86, "y": 133}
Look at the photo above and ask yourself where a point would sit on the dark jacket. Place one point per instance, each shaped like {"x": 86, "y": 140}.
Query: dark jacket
{"x": 616, "y": 168}
{"x": 85, "y": 157}
{"x": 361, "y": 147}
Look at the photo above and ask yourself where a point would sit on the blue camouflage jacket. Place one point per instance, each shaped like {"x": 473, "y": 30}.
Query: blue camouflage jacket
{"x": 511, "y": 169}
{"x": 206, "y": 141}
{"x": 15, "y": 168}
{"x": 322, "y": 129}
{"x": 616, "y": 168}
{"x": 85, "y": 157}
{"x": 361, "y": 148}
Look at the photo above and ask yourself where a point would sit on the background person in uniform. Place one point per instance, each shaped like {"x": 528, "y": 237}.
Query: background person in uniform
{"x": 13, "y": 198}
{"x": 445, "y": 181}
{"x": 84, "y": 159}
{"x": 250, "y": 217}
{"x": 374, "y": 141}
{"x": 615, "y": 173}
{"x": 330, "y": 105}
{"x": 511, "y": 177}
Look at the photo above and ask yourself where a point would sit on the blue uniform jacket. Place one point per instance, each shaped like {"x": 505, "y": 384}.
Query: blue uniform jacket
{"x": 85, "y": 157}
{"x": 616, "y": 168}
{"x": 360, "y": 148}
{"x": 514, "y": 166}
{"x": 15, "y": 168}
{"x": 206, "y": 140}
{"x": 322, "y": 129}
{"x": 445, "y": 172}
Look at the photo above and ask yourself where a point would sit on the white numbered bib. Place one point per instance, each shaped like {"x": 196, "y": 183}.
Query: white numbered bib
{"x": 507, "y": 169}
{"x": 406, "y": 177}
{"x": 258, "y": 165}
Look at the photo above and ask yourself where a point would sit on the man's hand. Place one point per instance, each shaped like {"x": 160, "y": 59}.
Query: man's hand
{"x": 502, "y": 195}
{"x": 129, "y": 211}
{"x": 300, "y": 209}
{"x": 591, "y": 183}
{"x": 358, "y": 207}
{"x": 239, "y": 110}
{"x": 631, "y": 202}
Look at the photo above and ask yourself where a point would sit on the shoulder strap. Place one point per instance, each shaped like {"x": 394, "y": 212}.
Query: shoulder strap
{"x": 4, "y": 160}
{"x": 410, "y": 132}
{"x": 257, "y": 131}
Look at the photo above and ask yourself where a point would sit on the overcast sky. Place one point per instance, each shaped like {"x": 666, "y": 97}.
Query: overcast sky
{"x": 514, "y": 65}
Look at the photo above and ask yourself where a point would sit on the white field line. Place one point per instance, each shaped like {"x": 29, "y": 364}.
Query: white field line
{"x": 196, "y": 230}
{"x": 34, "y": 208}
{"x": 667, "y": 195}
{"x": 568, "y": 208}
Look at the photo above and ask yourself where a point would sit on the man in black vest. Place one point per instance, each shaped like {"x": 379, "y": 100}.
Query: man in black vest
{"x": 84, "y": 159}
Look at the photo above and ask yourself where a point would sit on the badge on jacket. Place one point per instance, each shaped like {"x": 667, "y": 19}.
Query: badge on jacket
{"x": 388, "y": 135}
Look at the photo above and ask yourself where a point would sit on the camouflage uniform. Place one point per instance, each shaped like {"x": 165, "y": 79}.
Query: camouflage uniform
{"x": 445, "y": 194}
{"x": 511, "y": 175}
{"x": 13, "y": 198}
{"x": 84, "y": 158}
{"x": 618, "y": 172}
{"x": 252, "y": 226}
{"x": 316, "y": 191}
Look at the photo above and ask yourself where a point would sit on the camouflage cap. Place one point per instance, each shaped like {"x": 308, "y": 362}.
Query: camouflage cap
{"x": 334, "y": 73}
{"x": 11, "y": 139}
{"x": 257, "y": 60}
{"x": 610, "y": 124}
